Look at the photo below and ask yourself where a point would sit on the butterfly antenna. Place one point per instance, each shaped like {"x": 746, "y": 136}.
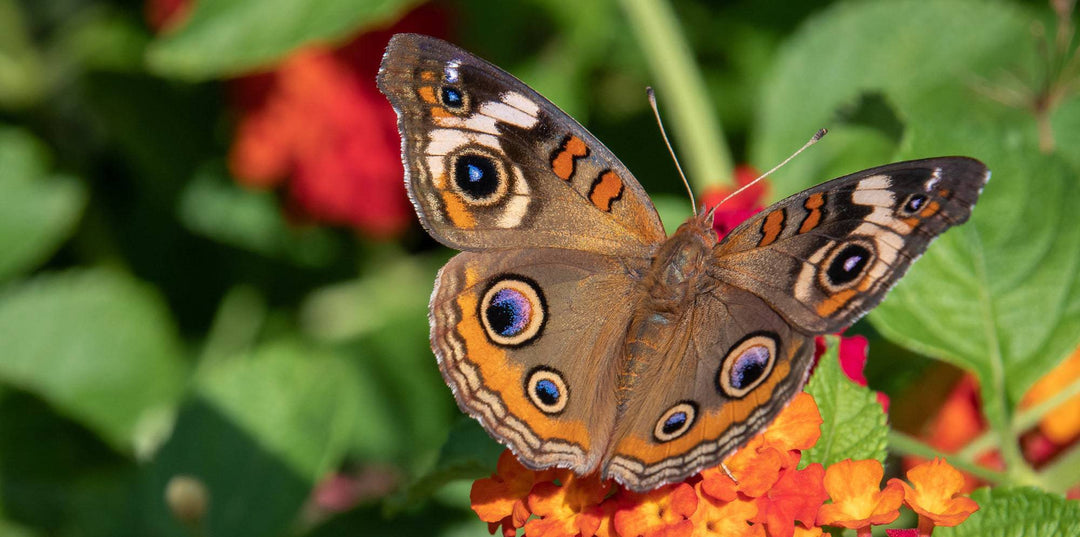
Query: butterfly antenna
{"x": 813, "y": 140}
{"x": 663, "y": 133}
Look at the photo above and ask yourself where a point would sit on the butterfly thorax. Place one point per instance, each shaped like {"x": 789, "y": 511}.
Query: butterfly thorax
{"x": 673, "y": 281}
{"x": 679, "y": 265}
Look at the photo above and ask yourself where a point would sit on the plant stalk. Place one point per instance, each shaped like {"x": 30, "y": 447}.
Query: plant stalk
{"x": 681, "y": 87}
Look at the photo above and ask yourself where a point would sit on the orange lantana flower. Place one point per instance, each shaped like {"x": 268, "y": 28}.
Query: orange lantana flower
{"x": 664, "y": 512}
{"x": 501, "y": 498}
{"x": 934, "y": 494}
{"x": 725, "y": 518}
{"x": 796, "y": 496}
{"x": 574, "y": 508}
{"x": 797, "y": 427}
{"x": 756, "y": 467}
{"x": 769, "y": 497}
{"x": 856, "y": 501}
{"x": 1062, "y": 424}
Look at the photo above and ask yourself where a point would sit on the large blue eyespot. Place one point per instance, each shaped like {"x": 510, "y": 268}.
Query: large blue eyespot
{"x": 675, "y": 421}
{"x": 477, "y": 177}
{"x": 509, "y": 312}
{"x": 747, "y": 365}
{"x": 547, "y": 390}
{"x": 512, "y": 310}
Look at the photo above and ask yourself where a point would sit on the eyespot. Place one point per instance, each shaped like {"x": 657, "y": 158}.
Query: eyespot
{"x": 846, "y": 265}
{"x": 547, "y": 389}
{"x": 675, "y": 422}
{"x": 479, "y": 177}
{"x": 747, "y": 365}
{"x": 913, "y": 204}
{"x": 512, "y": 311}
{"x": 452, "y": 98}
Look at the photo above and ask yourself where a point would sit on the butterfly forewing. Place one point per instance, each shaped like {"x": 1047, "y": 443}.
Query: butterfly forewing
{"x": 827, "y": 255}
{"x": 491, "y": 163}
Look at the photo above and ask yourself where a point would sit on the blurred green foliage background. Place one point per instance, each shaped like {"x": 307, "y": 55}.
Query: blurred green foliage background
{"x": 179, "y": 328}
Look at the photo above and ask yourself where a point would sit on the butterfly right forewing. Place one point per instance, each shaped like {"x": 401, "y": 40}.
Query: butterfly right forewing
{"x": 827, "y": 255}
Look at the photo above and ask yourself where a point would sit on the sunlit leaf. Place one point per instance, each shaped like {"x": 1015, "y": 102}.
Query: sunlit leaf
{"x": 1018, "y": 512}
{"x": 229, "y": 37}
{"x": 854, "y": 424}
{"x": 97, "y": 345}
{"x": 38, "y": 210}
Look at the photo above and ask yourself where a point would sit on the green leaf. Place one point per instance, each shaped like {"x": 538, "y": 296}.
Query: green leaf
{"x": 38, "y": 211}
{"x": 302, "y": 404}
{"x": 11, "y": 529}
{"x": 1018, "y": 512}
{"x": 1000, "y": 295}
{"x": 381, "y": 319}
{"x": 854, "y": 424}
{"x": 429, "y": 519}
{"x": 22, "y": 71}
{"x": 214, "y": 206}
{"x": 44, "y": 458}
{"x": 260, "y": 433}
{"x": 855, "y": 50}
{"x": 97, "y": 345}
{"x": 469, "y": 453}
{"x": 229, "y": 37}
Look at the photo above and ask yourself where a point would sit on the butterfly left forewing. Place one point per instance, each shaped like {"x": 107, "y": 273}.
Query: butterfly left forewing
{"x": 489, "y": 162}
{"x": 827, "y": 255}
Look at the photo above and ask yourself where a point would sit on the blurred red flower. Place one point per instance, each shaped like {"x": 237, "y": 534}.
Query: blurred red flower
{"x": 732, "y": 213}
{"x": 317, "y": 126}
{"x": 164, "y": 15}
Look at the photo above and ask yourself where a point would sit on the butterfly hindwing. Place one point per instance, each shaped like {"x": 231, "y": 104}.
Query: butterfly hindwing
{"x": 713, "y": 376}
{"x": 529, "y": 341}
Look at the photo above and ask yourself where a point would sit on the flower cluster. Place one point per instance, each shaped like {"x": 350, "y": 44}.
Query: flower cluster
{"x": 766, "y": 494}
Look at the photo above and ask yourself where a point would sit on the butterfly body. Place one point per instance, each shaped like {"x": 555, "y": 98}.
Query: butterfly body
{"x": 576, "y": 331}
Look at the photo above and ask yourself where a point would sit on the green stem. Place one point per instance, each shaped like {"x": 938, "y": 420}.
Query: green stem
{"x": 1025, "y": 420}
{"x": 681, "y": 87}
{"x": 236, "y": 325}
{"x": 1064, "y": 473}
{"x": 908, "y": 445}
{"x": 993, "y": 388}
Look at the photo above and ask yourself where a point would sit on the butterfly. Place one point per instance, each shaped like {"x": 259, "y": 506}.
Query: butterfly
{"x": 576, "y": 331}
